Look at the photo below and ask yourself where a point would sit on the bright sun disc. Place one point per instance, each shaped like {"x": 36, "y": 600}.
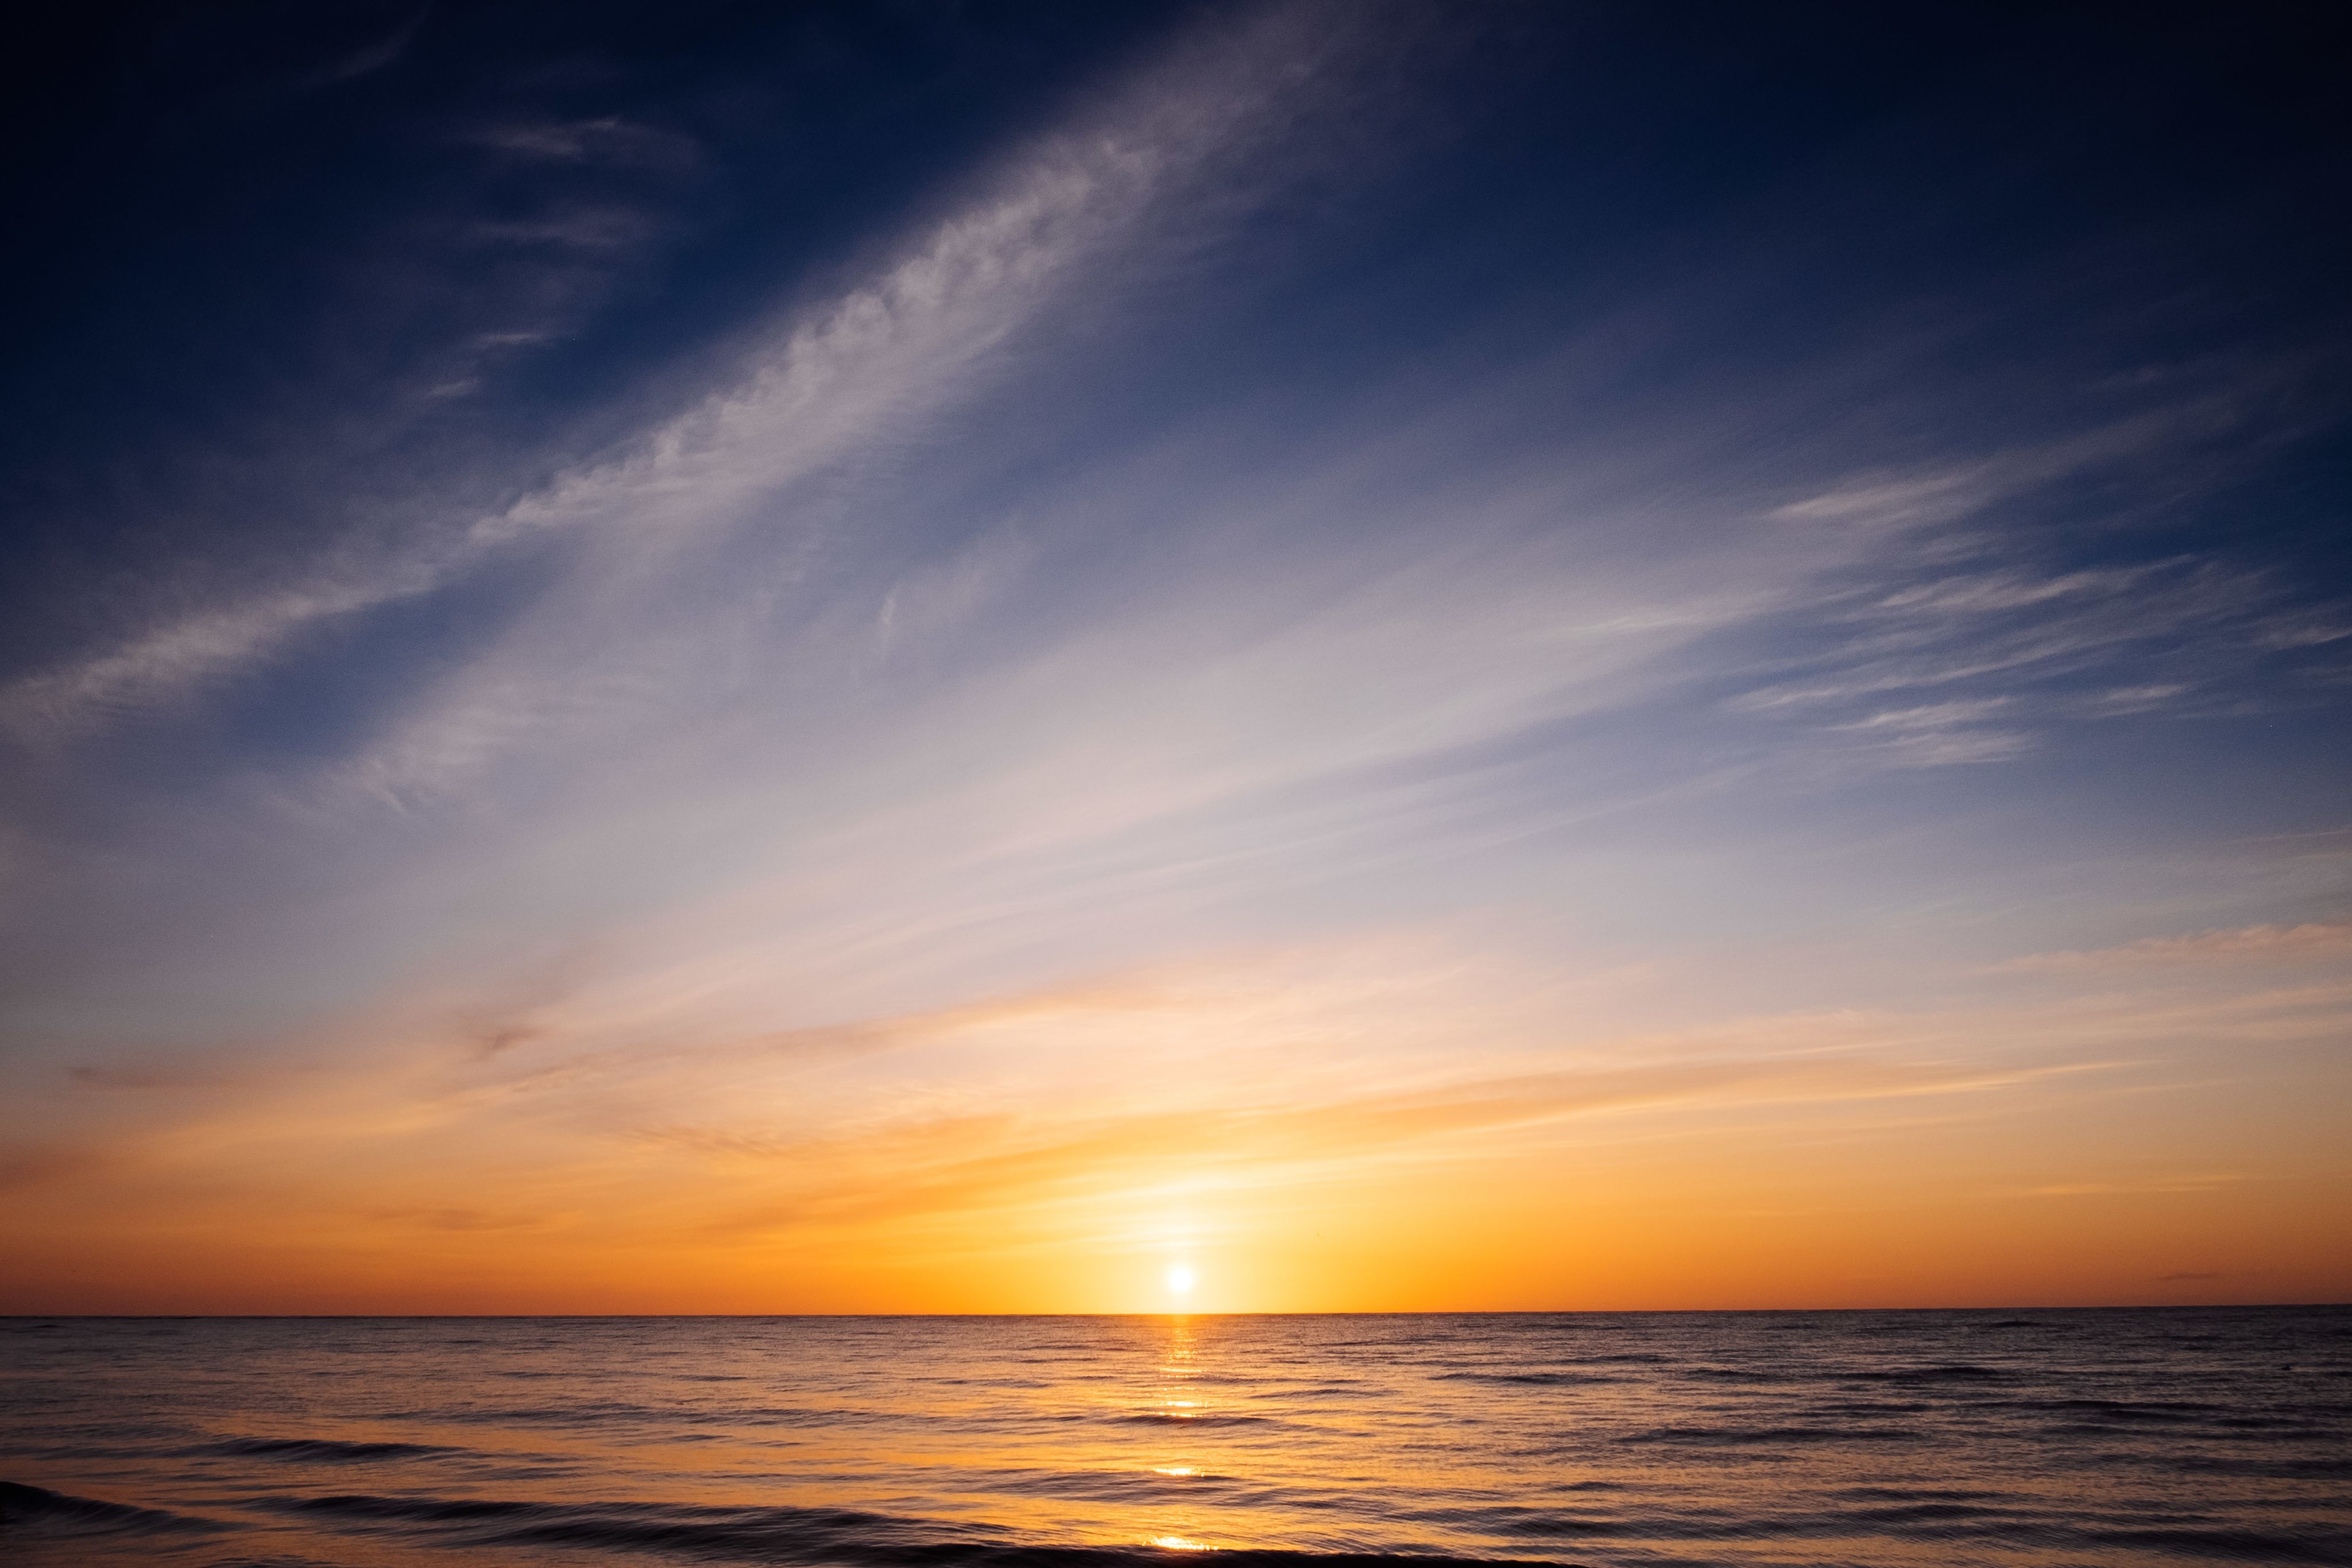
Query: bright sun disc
{"x": 1180, "y": 1278}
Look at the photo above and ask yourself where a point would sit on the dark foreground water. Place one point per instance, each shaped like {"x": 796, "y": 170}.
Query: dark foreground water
{"x": 2091, "y": 1437}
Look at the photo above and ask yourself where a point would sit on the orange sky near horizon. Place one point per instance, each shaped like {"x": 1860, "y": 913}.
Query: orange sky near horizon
{"x": 2066, "y": 1141}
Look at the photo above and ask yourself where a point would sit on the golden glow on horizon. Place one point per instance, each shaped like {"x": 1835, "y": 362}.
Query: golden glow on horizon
{"x": 1084, "y": 1150}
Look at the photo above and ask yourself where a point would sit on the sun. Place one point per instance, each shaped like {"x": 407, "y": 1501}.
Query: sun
{"x": 1179, "y": 1280}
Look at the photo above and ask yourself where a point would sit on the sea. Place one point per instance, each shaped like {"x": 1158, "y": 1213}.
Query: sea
{"x": 2094, "y": 1437}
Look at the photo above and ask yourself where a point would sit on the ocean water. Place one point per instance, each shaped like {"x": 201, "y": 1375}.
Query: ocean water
{"x": 2040, "y": 1438}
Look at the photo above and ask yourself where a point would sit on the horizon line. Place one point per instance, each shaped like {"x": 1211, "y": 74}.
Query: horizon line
{"x": 1437, "y": 1312}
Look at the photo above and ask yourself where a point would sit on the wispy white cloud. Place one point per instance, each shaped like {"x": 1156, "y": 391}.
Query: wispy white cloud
{"x": 865, "y": 372}
{"x": 387, "y": 50}
{"x": 579, "y": 226}
{"x": 2146, "y": 1186}
{"x": 603, "y": 139}
{"x": 2308, "y": 942}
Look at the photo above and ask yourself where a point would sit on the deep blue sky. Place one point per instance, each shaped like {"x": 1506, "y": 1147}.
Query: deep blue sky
{"x": 545, "y": 536}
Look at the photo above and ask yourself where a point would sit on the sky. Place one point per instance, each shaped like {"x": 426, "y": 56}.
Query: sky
{"x": 1001, "y": 656}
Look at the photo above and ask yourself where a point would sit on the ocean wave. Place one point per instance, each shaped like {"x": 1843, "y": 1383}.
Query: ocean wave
{"x": 1961, "y": 1372}
{"x": 1527, "y": 1523}
{"x": 2237, "y": 1544}
{"x": 1740, "y": 1437}
{"x": 1846, "y": 1409}
{"x": 1530, "y": 1379}
{"x": 1921, "y": 1513}
{"x": 2120, "y": 1410}
{"x": 1109, "y": 1486}
{"x": 2339, "y": 1469}
{"x": 604, "y": 1414}
{"x": 39, "y": 1510}
{"x": 322, "y": 1451}
{"x": 847, "y": 1537}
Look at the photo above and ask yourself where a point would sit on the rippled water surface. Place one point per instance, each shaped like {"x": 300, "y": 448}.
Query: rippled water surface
{"x": 2089, "y": 1437}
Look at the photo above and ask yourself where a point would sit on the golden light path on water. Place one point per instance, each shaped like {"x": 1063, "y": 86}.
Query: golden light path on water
{"x": 1179, "y": 1400}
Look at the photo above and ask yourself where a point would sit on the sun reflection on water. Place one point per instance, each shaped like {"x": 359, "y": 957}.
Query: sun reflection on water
{"x": 1177, "y": 1399}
